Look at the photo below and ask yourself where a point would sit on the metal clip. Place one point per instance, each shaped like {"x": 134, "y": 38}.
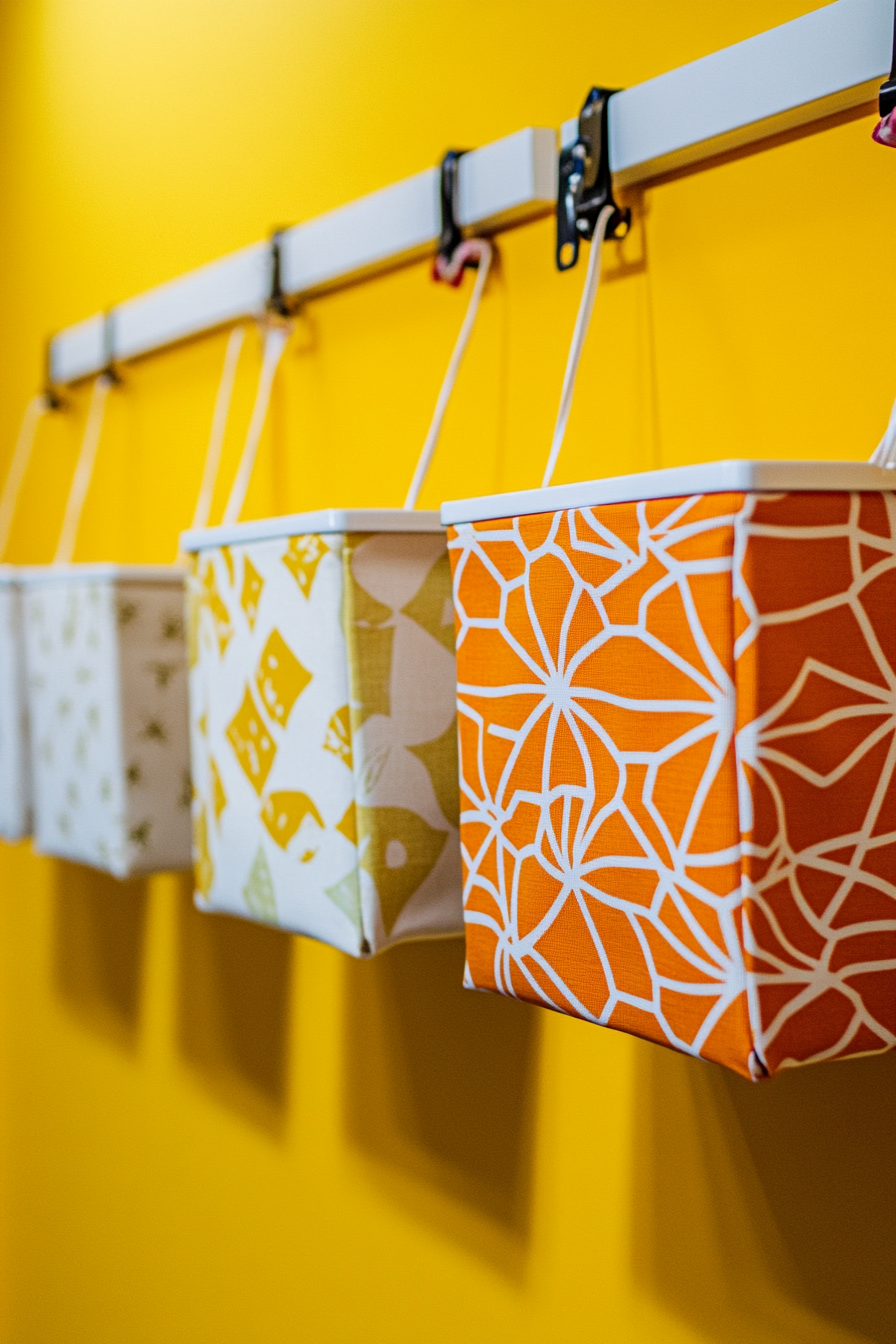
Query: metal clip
{"x": 585, "y": 182}
{"x": 109, "y": 371}
{"x": 886, "y": 98}
{"x": 277, "y": 301}
{"x": 450, "y": 235}
{"x": 53, "y": 398}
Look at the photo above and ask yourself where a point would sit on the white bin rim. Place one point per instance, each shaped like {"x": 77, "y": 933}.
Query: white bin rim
{"x": 315, "y": 523}
{"x": 173, "y": 574}
{"x": 704, "y": 478}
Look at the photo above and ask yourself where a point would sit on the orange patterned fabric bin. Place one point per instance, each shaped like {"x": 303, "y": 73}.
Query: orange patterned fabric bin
{"x": 677, "y": 752}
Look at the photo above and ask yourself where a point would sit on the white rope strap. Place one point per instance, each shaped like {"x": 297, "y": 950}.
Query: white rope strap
{"x": 474, "y": 247}
{"x": 275, "y": 337}
{"x": 219, "y": 427}
{"x": 884, "y": 454}
{"x": 589, "y": 293}
{"x": 18, "y": 467}
{"x": 83, "y": 471}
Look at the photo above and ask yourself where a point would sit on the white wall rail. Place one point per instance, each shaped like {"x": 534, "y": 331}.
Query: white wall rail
{"x": 829, "y": 61}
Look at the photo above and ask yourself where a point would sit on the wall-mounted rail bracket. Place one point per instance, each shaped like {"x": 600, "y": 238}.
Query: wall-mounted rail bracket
{"x": 886, "y": 99}
{"x": 277, "y": 302}
{"x": 585, "y": 184}
{"x": 450, "y": 236}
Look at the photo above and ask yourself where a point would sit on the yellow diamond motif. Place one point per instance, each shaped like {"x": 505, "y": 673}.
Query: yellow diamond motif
{"x": 219, "y": 797}
{"x": 217, "y": 608}
{"x": 338, "y": 737}
{"x": 204, "y": 869}
{"x": 283, "y": 814}
{"x": 251, "y": 594}
{"x": 252, "y": 742}
{"x": 280, "y": 678}
{"x": 303, "y": 555}
{"x": 348, "y": 826}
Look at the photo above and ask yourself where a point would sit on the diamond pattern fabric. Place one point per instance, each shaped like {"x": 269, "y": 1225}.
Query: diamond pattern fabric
{"x": 677, "y": 747}
{"x": 322, "y": 697}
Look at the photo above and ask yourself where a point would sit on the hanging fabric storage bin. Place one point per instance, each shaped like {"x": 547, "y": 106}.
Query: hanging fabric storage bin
{"x": 676, "y": 722}
{"x": 678, "y": 804}
{"x": 107, "y": 689}
{"x": 323, "y": 725}
{"x": 15, "y": 767}
{"x": 322, "y": 701}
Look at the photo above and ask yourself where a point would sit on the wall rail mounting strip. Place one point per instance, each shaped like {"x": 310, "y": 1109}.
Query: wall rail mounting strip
{"x": 828, "y": 61}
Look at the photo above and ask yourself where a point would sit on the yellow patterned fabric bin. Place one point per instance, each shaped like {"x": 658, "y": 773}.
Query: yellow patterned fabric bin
{"x": 323, "y": 726}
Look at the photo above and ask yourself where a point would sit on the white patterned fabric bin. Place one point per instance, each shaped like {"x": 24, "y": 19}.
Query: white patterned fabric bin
{"x": 15, "y": 774}
{"x": 107, "y": 697}
{"x": 323, "y": 722}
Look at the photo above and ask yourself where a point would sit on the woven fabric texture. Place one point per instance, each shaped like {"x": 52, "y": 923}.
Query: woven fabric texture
{"x": 677, "y": 769}
{"x": 324, "y": 736}
{"x": 107, "y": 697}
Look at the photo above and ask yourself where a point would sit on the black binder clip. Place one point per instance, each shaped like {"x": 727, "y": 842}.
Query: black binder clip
{"x": 886, "y": 98}
{"x": 450, "y": 235}
{"x": 277, "y": 301}
{"x": 109, "y": 370}
{"x": 53, "y": 399}
{"x": 585, "y": 183}
{"x": 885, "y": 130}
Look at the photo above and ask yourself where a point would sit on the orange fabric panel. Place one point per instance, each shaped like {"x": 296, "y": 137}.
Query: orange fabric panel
{"x": 677, "y": 769}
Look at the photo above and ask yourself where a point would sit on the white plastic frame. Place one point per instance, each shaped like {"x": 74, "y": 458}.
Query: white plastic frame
{"x": 827, "y": 61}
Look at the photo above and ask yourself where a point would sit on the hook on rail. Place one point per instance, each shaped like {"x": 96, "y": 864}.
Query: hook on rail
{"x": 110, "y": 369}
{"x": 454, "y": 255}
{"x": 277, "y": 303}
{"x": 53, "y": 398}
{"x": 585, "y": 184}
{"x": 885, "y": 130}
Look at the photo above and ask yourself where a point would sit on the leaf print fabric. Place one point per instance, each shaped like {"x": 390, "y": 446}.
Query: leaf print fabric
{"x": 325, "y": 722}
{"x": 107, "y": 691}
{"x": 678, "y": 743}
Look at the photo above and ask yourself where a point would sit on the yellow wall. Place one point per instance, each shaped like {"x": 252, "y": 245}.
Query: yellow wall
{"x": 215, "y": 1132}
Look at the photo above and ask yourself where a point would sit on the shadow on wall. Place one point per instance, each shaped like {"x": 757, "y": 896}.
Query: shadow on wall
{"x": 234, "y": 996}
{"x": 764, "y": 1213}
{"x": 99, "y": 933}
{"x": 440, "y": 1088}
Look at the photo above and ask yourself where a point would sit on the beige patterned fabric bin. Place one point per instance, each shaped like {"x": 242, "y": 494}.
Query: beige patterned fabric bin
{"x": 107, "y": 697}
{"x": 15, "y": 780}
{"x": 323, "y": 724}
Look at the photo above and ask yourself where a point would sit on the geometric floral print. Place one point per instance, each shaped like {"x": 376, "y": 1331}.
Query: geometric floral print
{"x": 677, "y": 725}
{"x": 107, "y": 691}
{"x": 15, "y": 772}
{"x": 323, "y": 729}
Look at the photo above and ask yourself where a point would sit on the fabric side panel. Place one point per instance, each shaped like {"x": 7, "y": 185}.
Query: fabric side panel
{"x": 154, "y": 725}
{"x": 400, "y": 639}
{"x": 74, "y": 709}
{"x": 598, "y": 796}
{"x": 273, "y": 805}
{"x": 817, "y": 656}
